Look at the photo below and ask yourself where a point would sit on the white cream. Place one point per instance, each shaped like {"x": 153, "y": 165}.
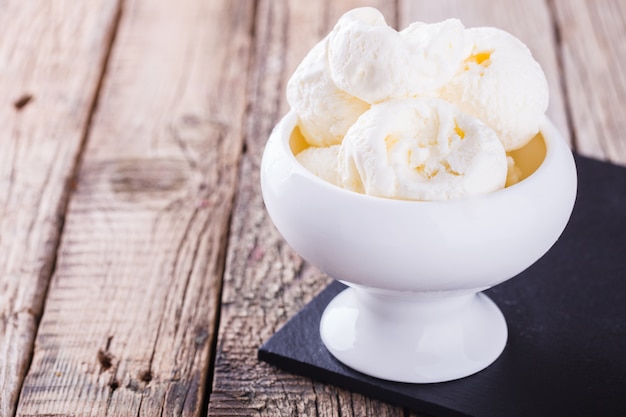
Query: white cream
{"x": 325, "y": 112}
{"x": 421, "y": 149}
{"x": 372, "y": 61}
{"x": 501, "y": 84}
{"x": 426, "y": 113}
{"x": 322, "y": 161}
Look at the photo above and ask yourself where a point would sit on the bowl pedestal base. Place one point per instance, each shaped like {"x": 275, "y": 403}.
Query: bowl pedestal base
{"x": 413, "y": 337}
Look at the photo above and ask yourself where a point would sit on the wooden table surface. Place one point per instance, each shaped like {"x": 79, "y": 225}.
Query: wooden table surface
{"x": 139, "y": 271}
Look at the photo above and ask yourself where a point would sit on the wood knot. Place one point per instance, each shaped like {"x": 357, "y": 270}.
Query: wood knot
{"x": 148, "y": 176}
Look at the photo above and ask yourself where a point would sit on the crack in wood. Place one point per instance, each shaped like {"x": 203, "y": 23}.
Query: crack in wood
{"x": 52, "y": 241}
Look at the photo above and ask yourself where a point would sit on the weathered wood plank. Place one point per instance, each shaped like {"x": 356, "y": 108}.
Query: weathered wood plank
{"x": 592, "y": 37}
{"x": 530, "y": 21}
{"x": 265, "y": 281}
{"x": 51, "y": 60}
{"x": 131, "y": 309}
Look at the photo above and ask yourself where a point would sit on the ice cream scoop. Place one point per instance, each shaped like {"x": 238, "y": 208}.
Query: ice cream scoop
{"x": 322, "y": 161}
{"x": 421, "y": 149}
{"x": 325, "y": 112}
{"x": 501, "y": 84}
{"x": 374, "y": 62}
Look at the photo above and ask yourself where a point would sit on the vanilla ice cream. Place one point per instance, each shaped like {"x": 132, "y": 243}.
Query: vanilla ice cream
{"x": 372, "y": 61}
{"x": 325, "y": 112}
{"x": 421, "y": 149}
{"x": 322, "y": 161}
{"x": 501, "y": 84}
{"x": 426, "y": 113}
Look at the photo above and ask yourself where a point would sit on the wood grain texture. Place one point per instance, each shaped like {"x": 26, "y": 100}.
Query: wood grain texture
{"x": 130, "y": 315}
{"x": 51, "y": 58}
{"x": 592, "y": 37}
{"x": 530, "y": 21}
{"x": 265, "y": 282}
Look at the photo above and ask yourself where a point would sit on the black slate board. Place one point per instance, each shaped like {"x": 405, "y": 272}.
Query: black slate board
{"x": 566, "y": 352}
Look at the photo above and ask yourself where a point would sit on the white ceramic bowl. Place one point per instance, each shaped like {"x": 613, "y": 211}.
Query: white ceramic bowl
{"x": 414, "y": 312}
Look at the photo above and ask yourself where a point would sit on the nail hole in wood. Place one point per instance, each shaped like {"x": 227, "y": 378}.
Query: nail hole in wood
{"x": 145, "y": 376}
{"x": 105, "y": 359}
{"x": 21, "y": 102}
{"x": 114, "y": 384}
